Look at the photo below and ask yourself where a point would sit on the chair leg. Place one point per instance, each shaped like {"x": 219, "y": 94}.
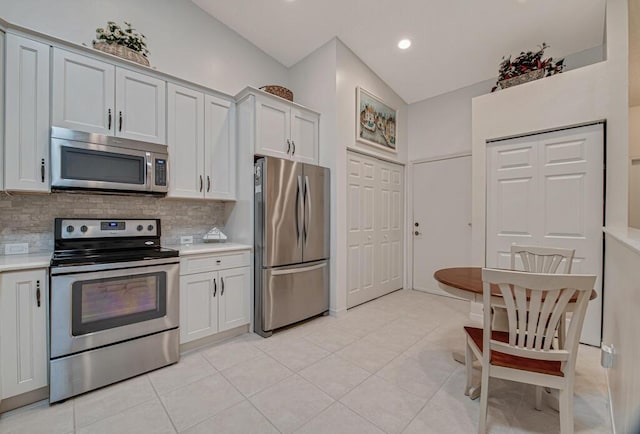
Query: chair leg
{"x": 484, "y": 400}
{"x": 566, "y": 410}
{"x": 468, "y": 361}
{"x": 539, "y": 398}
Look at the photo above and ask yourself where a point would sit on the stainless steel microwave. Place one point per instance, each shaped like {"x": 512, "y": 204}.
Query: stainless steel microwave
{"x": 86, "y": 161}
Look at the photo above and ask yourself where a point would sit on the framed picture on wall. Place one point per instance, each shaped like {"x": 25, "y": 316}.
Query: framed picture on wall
{"x": 376, "y": 121}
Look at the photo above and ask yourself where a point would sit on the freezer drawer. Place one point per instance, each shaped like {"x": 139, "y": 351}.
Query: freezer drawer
{"x": 292, "y": 294}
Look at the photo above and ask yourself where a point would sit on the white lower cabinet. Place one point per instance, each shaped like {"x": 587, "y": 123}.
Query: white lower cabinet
{"x": 23, "y": 331}
{"x": 215, "y": 298}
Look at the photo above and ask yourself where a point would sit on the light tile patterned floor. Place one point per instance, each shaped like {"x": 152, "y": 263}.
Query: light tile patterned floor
{"x": 385, "y": 366}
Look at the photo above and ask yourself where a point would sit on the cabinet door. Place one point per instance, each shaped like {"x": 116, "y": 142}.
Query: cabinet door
{"x": 219, "y": 151}
{"x": 305, "y": 136}
{"x": 234, "y": 297}
{"x": 83, "y": 93}
{"x": 273, "y": 127}
{"x": 198, "y": 306}
{"x": 27, "y": 115}
{"x": 186, "y": 142}
{"x": 23, "y": 332}
{"x": 140, "y": 107}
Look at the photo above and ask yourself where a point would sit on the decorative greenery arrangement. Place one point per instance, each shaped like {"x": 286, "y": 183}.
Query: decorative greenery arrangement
{"x": 127, "y": 37}
{"x": 526, "y": 63}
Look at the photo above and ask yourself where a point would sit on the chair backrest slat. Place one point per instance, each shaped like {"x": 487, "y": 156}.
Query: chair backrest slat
{"x": 535, "y": 303}
{"x": 537, "y": 259}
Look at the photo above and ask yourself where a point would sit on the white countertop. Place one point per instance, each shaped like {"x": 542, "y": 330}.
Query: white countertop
{"x": 626, "y": 235}
{"x": 195, "y": 249}
{"x": 25, "y": 262}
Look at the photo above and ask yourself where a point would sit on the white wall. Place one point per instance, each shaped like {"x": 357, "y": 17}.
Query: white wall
{"x": 595, "y": 92}
{"x": 634, "y": 168}
{"x": 313, "y": 82}
{"x": 184, "y": 40}
{"x": 441, "y": 125}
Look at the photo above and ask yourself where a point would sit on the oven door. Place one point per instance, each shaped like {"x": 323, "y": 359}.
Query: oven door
{"x": 93, "y": 309}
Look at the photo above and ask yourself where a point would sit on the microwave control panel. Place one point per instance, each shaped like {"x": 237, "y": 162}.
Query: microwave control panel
{"x": 160, "y": 171}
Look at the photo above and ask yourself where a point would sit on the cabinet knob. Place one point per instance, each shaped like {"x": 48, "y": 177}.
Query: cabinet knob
{"x": 416, "y": 233}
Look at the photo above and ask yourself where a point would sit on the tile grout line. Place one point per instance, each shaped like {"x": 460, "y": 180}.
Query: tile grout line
{"x": 162, "y": 404}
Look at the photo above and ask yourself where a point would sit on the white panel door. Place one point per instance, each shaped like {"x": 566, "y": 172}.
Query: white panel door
{"x": 361, "y": 217}
{"x": 233, "y": 304}
{"x": 185, "y": 119}
{"x": 140, "y": 107}
{"x": 27, "y": 115}
{"x": 23, "y": 331}
{"x": 83, "y": 93}
{"x": 305, "y": 138}
{"x": 219, "y": 149}
{"x": 389, "y": 249}
{"x": 548, "y": 190}
{"x": 198, "y": 306}
{"x": 441, "y": 219}
{"x": 273, "y": 128}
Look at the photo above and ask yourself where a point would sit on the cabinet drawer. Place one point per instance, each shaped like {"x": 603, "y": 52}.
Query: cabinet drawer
{"x": 213, "y": 262}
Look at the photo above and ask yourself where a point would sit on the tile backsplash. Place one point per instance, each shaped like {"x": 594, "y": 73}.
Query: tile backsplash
{"x": 26, "y": 218}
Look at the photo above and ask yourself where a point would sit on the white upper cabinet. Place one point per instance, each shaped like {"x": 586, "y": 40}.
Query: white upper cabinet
{"x": 220, "y": 148}
{"x": 202, "y": 154}
{"x": 305, "y": 136}
{"x": 83, "y": 93}
{"x": 26, "y": 115}
{"x": 97, "y": 97}
{"x": 286, "y": 130}
{"x": 140, "y": 106}
{"x": 185, "y": 131}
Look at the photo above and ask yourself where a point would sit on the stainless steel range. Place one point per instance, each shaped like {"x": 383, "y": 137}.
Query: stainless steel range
{"x": 114, "y": 303}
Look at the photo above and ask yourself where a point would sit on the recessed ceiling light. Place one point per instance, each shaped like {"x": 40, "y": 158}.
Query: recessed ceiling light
{"x": 404, "y": 44}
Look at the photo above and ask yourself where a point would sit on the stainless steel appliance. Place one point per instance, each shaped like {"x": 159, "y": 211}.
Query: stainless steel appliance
{"x": 114, "y": 301}
{"x": 291, "y": 243}
{"x": 84, "y": 161}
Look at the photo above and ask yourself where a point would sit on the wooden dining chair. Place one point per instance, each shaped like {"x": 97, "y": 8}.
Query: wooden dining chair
{"x": 535, "y": 303}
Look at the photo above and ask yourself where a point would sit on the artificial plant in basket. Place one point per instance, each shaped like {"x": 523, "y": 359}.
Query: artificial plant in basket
{"x": 113, "y": 35}
{"x": 526, "y": 63}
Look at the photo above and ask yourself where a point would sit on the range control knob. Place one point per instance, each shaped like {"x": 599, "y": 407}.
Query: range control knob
{"x": 70, "y": 228}
{"x": 150, "y": 227}
{"x": 139, "y": 228}
{"x": 84, "y": 228}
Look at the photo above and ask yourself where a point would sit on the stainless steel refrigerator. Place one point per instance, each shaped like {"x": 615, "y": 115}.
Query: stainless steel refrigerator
{"x": 291, "y": 243}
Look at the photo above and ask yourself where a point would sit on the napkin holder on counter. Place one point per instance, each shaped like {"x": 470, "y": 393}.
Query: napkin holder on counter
{"x": 215, "y": 235}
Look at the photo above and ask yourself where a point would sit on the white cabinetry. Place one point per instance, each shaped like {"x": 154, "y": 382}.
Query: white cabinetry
{"x": 97, "y": 97}
{"x": 26, "y": 115}
{"x": 284, "y": 129}
{"x": 201, "y": 132}
{"x": 214, "y": 293}
{"x": 23, "y": 331}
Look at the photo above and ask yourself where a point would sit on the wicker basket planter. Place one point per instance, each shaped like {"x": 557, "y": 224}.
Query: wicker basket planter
{"x": 280, "y": 91}
{"x": 121, "y": 51}
{"x": 520, "y": 79}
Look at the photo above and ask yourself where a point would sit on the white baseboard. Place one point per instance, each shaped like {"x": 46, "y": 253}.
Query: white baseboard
{"x": 338, "y": 313}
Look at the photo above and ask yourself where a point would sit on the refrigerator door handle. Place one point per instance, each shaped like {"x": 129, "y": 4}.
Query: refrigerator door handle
{"x": 307, "y": 204}
{"x": 299, "y": 199}
{"x": 298, "y": 270}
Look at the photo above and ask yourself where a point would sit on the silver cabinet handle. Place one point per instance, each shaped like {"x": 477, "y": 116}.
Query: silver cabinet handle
{"x": 298, "y": 270}
{"x": 299, "y": 201}
{"x": 215, "y": 287}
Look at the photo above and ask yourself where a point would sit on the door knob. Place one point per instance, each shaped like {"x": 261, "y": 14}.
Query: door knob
{"x": 416, "y": 224}
{"x": 416, "y": 233}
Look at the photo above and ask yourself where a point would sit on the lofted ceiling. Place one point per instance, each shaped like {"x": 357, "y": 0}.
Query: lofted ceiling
{"x": 456, "y": 43}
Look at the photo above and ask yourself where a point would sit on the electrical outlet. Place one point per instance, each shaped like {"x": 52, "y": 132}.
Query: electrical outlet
{"x": 16, "y": 249}
{"x": 187, "y": 239}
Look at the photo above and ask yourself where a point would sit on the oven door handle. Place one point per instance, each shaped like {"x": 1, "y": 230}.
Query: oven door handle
{"x": 149, "y": 177}
{"x": 215, "y": 287}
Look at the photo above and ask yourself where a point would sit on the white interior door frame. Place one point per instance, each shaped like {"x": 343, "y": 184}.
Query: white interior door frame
{"x": 410, "y": 214}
